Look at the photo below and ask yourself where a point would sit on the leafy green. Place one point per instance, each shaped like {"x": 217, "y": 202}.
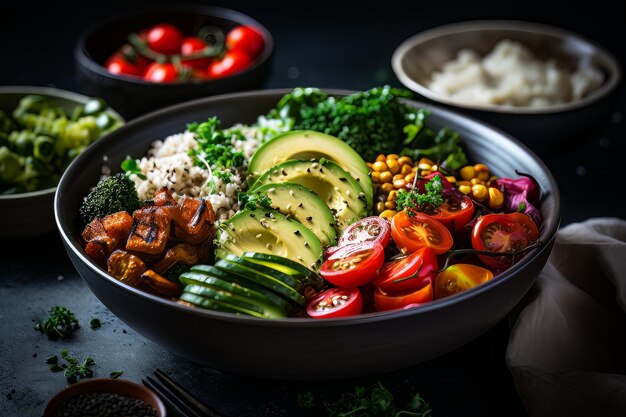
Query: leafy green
{"x": 371, "y": 122}
{"x": 95, "y": 324}
{"x": 373, "y": 401}
{"x": 252, "y": 201}
{"x": 131, "y": 166}
{"x": 60, "y": 324}
{"x": 414, "y": 200}
{"x": 215, "y": 145}
{"x": 112, "y": 194}
{"x": 116, "y": 374}
{"x": 74, "y": 370}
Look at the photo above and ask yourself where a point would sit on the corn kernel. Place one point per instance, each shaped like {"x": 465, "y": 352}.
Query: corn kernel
{"x": 496, "y": 198}
{"x": 465, "y": 189}
{"x": 381, "y": 158}
{"x": 459, "y": 183}
{"x": 387, "y": 187}
{"x": 406, "y": 169}
{"x": 424, "y": 167}
{"x": 392, "y": 195}
{"x": 479, "y": 192}
{"x": 481, "y": 168}
{"x": 410, "y": 177}
{"x": 405, "y": 160}
{"x": 451, "y": 179}
{"x": 380, "y": 207}
{"x": 476, "y": 181}
{"x": 425, "y": 161}
{"x": 393, "y": 165}
{"x": 434, "y": 168}
{"x": 483, "y": 176}
{"x": 425, "y": 172}
{"x": 399, "y": 183}
{"x": 375, "y": 176}
{"x": 467, "y": 173}
{"x": 388, "y": 214}
{"x": 393, "y": 156}
{"x": 398, "y": 176}
{"x": 380, "y": 166}
{"x": 390, "y": 205}
{"x": 386, "y": 177}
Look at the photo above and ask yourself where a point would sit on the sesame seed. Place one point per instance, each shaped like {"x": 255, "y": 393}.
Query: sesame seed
{"x": 259, "y": 236}
{"x": 309, "y": 218}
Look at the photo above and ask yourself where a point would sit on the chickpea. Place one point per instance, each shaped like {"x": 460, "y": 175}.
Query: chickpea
{"x": 381, "y": 158}
{"x": 467, "y": 173}
{"x": 410, "y": 177}
{"x": 465, "y": 189}
{"x": 392, "y": 195}
{"x": 390, "y": 205}
{"x": 393, "y": 165}
{"x": 393, "y": 156}
{"x": 375, "y": 176}
{"x": 380, "y": 207}
{"x": 481, "y": 168}
{"x": 483, "y": 176}
{"x": 434, "y": 168}
{"x": 460, "y": 183}
{"x": 388, "y": 214}
{"x": 379, "y": 166}
{"x": 406, "y": 169}
{"x": 405, "y": 160}
{"x": 386, "y": 177}
{"x": 398, "y": 176}
{"x": 426, "y": 161}
{"x": 496, "y": 198}
{"x": 479, "y": 192}
{"x": 387, "y": 187}
{"x": 476, "y": 181}
{"x": 399, "y": 183}
{"x": 424, "y": 167}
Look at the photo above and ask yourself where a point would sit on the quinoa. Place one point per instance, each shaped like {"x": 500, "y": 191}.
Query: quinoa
{"x": 168, "y": 164}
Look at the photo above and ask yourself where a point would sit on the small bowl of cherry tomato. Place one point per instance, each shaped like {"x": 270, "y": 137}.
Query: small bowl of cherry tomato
{"x": 146, "y": 59}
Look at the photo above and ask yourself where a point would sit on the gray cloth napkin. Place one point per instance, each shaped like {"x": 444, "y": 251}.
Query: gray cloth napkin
{"x": 567, "y": 350}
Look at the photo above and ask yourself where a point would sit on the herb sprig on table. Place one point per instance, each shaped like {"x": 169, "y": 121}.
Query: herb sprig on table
{"x": 60, "y": 324}
{"x": 72, "y": 369}
{"x": 372, "y": 401}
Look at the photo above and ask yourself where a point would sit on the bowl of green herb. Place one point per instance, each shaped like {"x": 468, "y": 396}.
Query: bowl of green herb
{"x": 42, "y": 130}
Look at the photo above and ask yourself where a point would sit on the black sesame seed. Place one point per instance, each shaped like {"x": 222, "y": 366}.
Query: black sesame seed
{"x": 343, "y": 179}
{"x": 321, "y": 170}
{"x": 253, "y": 215}
{"x": 284, "y": 173}
{"x": 297, "y": 233}
{"x": 101, "y": 404}
{"x": 308, "y": 170}
{"x": 300, "y": 205}
{"x": 309, "y": 218}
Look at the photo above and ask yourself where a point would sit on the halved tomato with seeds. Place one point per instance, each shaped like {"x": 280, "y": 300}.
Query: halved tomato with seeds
{"x": 353, "y": 265}
{"x": 420, "y": 230}
{"x": 503, "y": 233}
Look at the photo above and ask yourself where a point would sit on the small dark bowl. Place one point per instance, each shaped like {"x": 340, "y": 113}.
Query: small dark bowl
{"x": 133, "y": 96}
{"x": 543, "y": 129}
{"x": 108, "y": 385}
{"x": 304, "y": 348}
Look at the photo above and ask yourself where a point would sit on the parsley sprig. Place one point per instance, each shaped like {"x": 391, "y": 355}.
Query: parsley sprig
{"x": 60, "y": 324}
{"x": 252, "y": 201}
{"x": 412, "y": 200}
{"x": 371, "y": 401}
{"x": 72, "y": 369}
{"x": 216, "y": 145}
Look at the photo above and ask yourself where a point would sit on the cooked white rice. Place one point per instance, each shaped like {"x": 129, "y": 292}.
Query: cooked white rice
{"x": 168, "y": 164}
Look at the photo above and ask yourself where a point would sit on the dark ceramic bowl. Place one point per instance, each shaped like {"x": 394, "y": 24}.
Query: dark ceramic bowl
{"x": 543, "y": 129}
{"x": 27, "y": 215}
{"x": 108, "y": 385}
{"x": 305, "y": 348}
{"x": 133, "y": 96}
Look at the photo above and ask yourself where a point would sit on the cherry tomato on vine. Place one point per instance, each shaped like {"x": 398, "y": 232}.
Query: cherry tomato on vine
{"x": 336, "y": 302}
{"x": 233, "y": 61}
{"x": 420, "y": 230}
{"x": 353, "y": 265}
{"x": 408, "y": 273}
{"x": 119, "y": 65}
{"x": 373, "y": 228}
{"x": 501, "y": 233}
{"x": 460, "y": 277}
{"x": 165, "y": 39}
{"x": 459, "y": 211}
{"x": 245, "y": 39}
{"x": 385, "y": 302}
{"x": 161, "y": 73}
{"x": 192, "y": 45}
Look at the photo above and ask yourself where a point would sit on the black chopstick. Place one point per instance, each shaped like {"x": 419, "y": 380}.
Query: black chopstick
{"x": 170, "y": 399}
{"x": 190, "y": 400}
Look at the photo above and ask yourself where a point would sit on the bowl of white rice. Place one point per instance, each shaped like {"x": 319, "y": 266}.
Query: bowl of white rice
{"x": 541, "y": 83}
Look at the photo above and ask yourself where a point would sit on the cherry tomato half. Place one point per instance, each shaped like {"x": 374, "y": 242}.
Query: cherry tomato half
{"x": 245, "y": 39}
{"x": 420, "y": 230}
{"x": 459, "y": 211}
{"x": 336, "y": 302}
{"x": 233, "y": 61}
{"x": 408, "y": 273}
{"x": 373, "y": 228}
{"x": 165, "y": 39}
{"x": 460, "y": 277}
{"x": 502, "y": 233}
{"x": 117, "y": 64}
{"x": 161, "y": 73}
{"x": 353, "y": 265}
{"x": 191, "y": 46}
{"x": 385, "y": 302}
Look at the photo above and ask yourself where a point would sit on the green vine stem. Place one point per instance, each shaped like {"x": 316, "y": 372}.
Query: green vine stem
{"x": 459, "y": 252}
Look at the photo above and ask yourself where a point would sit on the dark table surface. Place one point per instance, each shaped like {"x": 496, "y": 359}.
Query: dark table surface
{"x": 323, "y": 44}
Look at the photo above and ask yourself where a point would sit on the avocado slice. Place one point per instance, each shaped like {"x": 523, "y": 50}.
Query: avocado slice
{"x": 329, "y": 181}
{"x": 308, "y": 144}
{"x": 268, "y": 231}
{"x": 294, "y": 200}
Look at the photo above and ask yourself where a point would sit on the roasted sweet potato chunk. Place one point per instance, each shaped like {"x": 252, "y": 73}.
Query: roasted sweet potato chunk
{"x": 118, "y": 225}
{"x": 180, "y": 253}
{"x": 195, "y": 223}
{"x": 160, "y": 285}
{"x": 163, "y": 197}
{"x": 150, "y": 231}
{"x": 126, "y": 267}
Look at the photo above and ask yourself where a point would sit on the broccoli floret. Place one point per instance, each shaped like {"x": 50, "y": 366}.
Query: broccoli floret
{"x": 111, "y": 195}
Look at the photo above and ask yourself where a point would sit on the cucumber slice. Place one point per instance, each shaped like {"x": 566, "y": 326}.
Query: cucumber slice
{"x": 268, "y": 282}
{"x": 206, "y": 303}
{"x": 211, "y": 271}
{"x": 285, "y": 264}
{"x": 217, "y": 284}
{"x": 236, "y": 302}
{"x": 287, "y": 279}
